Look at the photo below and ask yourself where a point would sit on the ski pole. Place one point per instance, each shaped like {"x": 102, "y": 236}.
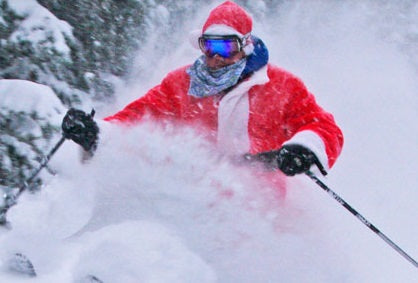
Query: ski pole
{"x": 361, "y": 218}
{"x": 11, "y": 200}
{"x": 44, "y": 162}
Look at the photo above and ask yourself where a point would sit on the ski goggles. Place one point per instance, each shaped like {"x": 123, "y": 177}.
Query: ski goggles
{"x": 225, "y": 45}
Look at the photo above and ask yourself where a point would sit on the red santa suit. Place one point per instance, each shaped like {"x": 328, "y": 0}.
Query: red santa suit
{"x": 270, "y": 108}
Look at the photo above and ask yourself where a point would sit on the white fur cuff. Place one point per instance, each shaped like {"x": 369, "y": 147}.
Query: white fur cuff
{"x": 311, "y": 140}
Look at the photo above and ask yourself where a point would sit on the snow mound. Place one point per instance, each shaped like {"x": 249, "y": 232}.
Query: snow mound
{"x": 30, "y": 97}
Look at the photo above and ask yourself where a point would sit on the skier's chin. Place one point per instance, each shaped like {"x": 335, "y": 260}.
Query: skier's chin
{"x": 213, "y": 66}
{"x": 217, "y": 62}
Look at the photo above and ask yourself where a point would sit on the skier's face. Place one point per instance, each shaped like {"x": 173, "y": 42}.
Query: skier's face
{"x": 217, "y": 61}
{"x": 221, "y": 50}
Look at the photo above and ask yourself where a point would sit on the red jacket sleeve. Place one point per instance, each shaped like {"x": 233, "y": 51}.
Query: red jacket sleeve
{"x": 303, "y": 113}
{"x": 161, "y": 101}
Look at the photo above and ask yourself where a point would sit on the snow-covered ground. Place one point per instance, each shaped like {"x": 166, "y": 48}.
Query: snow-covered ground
{"x": 161, "y": 205}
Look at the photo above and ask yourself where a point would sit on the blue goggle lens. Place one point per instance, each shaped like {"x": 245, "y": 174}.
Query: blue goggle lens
{"x": 223, "y": 47}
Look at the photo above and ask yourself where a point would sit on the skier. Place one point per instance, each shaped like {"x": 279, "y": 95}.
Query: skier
{"x": 240, "y": 100}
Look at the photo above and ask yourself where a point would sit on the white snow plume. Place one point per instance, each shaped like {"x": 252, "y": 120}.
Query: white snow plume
{"x": 226, "y": 215}
{"x": 29, "y": 97}
{"x": 163, "y": 206}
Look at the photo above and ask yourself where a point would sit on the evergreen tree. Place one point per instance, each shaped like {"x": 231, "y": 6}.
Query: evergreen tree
{"x": 39, "y": 60}
{"x": 108, "y": 32}
{"x": 31, "y": 50}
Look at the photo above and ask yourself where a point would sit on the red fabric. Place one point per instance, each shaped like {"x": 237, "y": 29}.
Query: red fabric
{"x": 278, "y": 110}
{"x": 232, "y": 15}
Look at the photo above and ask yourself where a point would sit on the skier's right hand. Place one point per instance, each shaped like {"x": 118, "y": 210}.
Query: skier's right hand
{"x": 80, "y": 127}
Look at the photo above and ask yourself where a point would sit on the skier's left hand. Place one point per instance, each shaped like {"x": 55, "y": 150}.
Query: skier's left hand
{"x": 291, "y": 159}
{"x": 295, "y": 159}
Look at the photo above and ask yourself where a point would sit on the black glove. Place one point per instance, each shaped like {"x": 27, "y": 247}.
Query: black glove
{"x": 291, "y": 159}
{"x": 81, "y": 128}
{"x": 295, "y": 159}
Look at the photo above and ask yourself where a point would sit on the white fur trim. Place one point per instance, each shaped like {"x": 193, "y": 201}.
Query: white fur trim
{"x": 313, "y": 141}
{"x": 222, "y": 30}
{"x": 233, "y": 114}
{"x": 194, "y": 38}
{"x": 233, "y": 122}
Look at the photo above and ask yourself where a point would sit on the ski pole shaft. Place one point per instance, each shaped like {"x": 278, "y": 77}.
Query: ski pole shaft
{"x": 42, "y": 165}
{"x": 361, "y": 218}
{"x": 25, "y": 185}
